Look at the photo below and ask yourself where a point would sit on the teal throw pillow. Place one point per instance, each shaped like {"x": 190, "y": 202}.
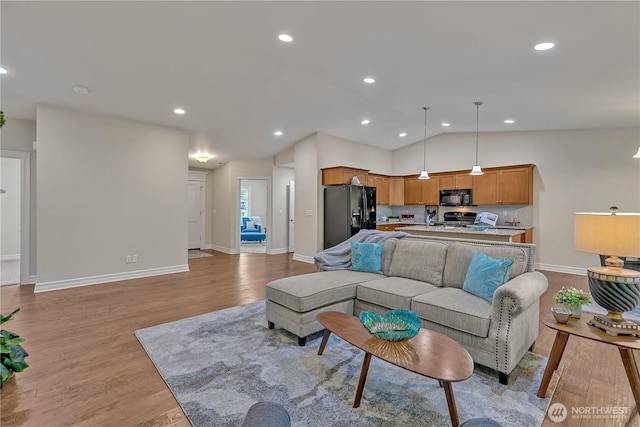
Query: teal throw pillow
{"x": 366, "y": 257}
{"x": 485, "y": 275}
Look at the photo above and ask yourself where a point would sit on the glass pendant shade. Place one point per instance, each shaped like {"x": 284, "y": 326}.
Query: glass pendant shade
{"x": 424, "y": 175}
{"x": 476, "y": 170}
{"x": 637, "y": 155}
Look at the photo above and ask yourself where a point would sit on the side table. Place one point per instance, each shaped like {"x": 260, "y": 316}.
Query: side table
{"x": 579, "y": 328}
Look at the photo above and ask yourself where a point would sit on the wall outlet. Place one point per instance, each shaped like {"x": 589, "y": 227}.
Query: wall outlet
{"x": 505, "y": 213}
{"x": 134, "y": 258}
{"x": 128, "y": 259}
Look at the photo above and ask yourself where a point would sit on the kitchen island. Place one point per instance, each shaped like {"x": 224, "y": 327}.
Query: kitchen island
{"x": 492, "y": 234}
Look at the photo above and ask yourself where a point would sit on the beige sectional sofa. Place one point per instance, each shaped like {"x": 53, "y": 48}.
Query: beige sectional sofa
{"x": 426, "y": 275}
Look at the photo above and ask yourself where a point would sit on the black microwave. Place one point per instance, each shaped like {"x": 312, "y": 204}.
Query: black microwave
{"x": 459, "y": 197}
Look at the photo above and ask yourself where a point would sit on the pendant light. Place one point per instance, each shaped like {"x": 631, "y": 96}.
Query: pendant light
{"x": 476, "y": 168}
{"x": 637, "y": 155}
{"x": 424, "y": 174}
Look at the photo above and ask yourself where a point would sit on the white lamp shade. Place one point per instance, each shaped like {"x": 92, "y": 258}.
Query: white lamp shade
{"x": 476, "y": 171}
{"x": 424, "y": 175}
{"x": 607, "y": 234}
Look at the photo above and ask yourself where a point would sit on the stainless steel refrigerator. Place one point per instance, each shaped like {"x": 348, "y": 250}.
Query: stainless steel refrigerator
{"x": 347, "y": 210}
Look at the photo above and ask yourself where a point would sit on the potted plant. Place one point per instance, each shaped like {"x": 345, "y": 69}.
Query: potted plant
{"x": 12, "y": 353}
{"x": 573, "y": 299}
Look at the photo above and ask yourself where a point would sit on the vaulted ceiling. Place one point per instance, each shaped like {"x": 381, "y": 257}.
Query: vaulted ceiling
{"x": 222, "y": 62}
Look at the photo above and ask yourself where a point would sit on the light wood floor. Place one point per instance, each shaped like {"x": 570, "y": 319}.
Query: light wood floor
{"x": 88, "y": 369}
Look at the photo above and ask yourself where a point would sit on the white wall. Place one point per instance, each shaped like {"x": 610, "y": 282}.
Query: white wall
{"x": 107, "y": 188}
{"x": 576, "y": 170}
{"x": 10, "y": 209}
{"x": 334, "y": 151}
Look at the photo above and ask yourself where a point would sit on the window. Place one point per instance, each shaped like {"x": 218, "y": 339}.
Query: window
{"x": 244, "y": 202}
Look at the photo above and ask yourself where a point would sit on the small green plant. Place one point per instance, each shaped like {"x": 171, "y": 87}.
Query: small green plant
{"x": 12, "y": 353}
{"x": 572, "y": 296}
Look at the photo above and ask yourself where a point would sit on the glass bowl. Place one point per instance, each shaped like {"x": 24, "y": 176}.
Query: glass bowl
{"x": 397, "y": 325}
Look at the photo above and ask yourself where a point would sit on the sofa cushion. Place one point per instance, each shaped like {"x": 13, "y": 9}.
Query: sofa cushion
{"x": 459, "y": 257}
{"x": 392, "y": 292}
{"x": 388, "y": 249}
{"x": 455, "y": 308}
{"x": 485, "y": 274}
{"x": 309, "y": 291}
{"x": 366, "y": 257}
{"x": 419, "y": 260}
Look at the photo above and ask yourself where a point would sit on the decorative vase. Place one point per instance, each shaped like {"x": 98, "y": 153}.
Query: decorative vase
{"x": 576, "y": 310}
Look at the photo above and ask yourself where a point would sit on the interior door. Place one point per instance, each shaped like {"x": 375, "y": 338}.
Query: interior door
{"x": 195, "y": 217}
{"x": 291, "y": 210}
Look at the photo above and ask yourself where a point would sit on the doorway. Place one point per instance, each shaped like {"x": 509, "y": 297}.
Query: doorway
{"x": 15, "y": 212}
{"x": 196, "y": 190}
{"x": 253, "y": 215}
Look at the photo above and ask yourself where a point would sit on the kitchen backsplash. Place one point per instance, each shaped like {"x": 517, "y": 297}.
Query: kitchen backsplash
{"x": 506, "y": 213}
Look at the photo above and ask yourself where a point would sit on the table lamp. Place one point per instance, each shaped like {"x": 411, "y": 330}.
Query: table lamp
{"x": 613, "y": 287}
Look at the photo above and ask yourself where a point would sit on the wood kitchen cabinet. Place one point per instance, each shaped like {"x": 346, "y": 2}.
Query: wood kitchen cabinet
{"x": 391, "y": 226}
{"x": 381, "y": 182}
{"x": 453, "y": 181}
{"x": 511, "y": 185}
{"x": 343, "y": 175}
{"x": 396, "y": 190}
{"x": 421, "y": 191}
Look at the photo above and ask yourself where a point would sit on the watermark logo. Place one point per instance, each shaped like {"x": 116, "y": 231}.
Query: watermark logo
{"x": 557, "y": 412}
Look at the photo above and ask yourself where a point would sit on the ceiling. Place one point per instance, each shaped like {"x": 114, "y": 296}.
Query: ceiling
{"x": 223, "y": 63}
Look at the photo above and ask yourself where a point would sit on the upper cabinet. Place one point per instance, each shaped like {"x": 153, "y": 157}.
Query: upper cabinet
{"x": 381, "y": 182}
{"x": 510, "y": 185}
{"x": 343, "y": 175}
{"x": 421, "y": 191}
{"x": 453, "y": 181}
{"x": 396, "y": 190}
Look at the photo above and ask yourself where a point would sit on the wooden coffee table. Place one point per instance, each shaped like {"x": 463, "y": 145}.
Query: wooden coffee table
{"x": 429, "y": 353}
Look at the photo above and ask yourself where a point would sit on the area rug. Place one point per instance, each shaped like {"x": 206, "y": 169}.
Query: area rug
{"x": 218, "y": 364}
{"x": 194, "y": 253}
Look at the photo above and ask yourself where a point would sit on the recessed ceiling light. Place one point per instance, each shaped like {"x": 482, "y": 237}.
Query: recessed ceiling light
{"x": 402, "y": 135}
{"x": 179, "y": 111}
{"x": 3, "y": 71}
{"x": 369, "y": 80}
{"x": 285, "y": 38}
{"x": 81, "y": 90}
{"x": 509, "y": 121}
{"x": 445, "y": 124}
{"x": 365, "y": 122}
{"x": 278, "y": 133}
{"x": 544, "y": 46}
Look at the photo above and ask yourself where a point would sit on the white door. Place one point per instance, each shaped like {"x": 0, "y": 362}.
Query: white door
{"x": 291, "y": 211}
{"x": 195, "y": 217}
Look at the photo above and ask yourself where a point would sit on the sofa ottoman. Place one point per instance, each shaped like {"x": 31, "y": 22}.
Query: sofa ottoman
{"x": 294, "y": 302}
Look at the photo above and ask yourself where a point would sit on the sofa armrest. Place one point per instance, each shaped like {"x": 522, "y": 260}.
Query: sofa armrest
{"x": 522, "y": 290}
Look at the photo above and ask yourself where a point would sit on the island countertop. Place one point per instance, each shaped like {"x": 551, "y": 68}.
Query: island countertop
{"x": 494, "y": 234}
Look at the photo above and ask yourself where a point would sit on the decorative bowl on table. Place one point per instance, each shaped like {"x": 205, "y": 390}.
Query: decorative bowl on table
{"x": 561, "y": 314}
{"x": 397, "y": 325}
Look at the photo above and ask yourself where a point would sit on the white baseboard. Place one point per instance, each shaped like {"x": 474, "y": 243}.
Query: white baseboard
{"x": 207, "y": 246}
{"x": 223, "y": 249}
{"x": 33, "y": 279}
{"x": 106, "y": 278}
{"x": 277, "y": 251}
{"x": 12, "y": 257}
{"x": 303, "y": 258}
{"x": 562, "y": 269}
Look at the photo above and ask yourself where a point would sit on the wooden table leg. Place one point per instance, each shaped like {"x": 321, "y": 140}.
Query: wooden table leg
{"x": 323, "y": 343}
{"x": 451, "y": 403}
{"x": 631, "y": 368}
{"x": 363, "y": 378}
{"x": 554, "y": 360}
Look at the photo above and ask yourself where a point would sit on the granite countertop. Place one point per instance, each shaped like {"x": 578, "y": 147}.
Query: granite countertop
{"x": 465, "y": 230}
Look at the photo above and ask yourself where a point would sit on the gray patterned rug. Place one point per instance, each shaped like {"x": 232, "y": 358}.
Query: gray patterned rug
{"x": 218, "y": 364}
